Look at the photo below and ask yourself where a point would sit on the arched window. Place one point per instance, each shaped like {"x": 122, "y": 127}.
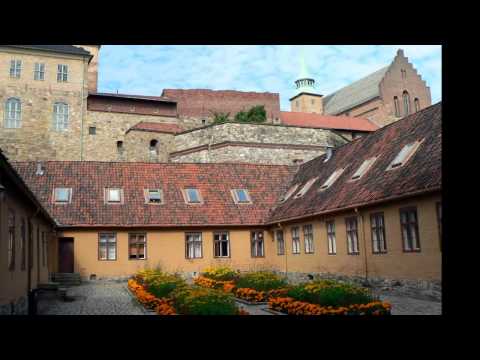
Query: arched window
{"x": 406, "y": 103}
{"x": 120, "y": 147}
{"x": 13, "y": 113}
{"x": 397, "y": 106}
{"x": 60, "y": 116}
{"x": 417, "y": 104}
{"x": 154, "y": 147}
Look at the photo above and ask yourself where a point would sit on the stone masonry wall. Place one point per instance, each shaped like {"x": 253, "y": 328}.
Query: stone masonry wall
{"x": 137, "y": 146}
{"x": 36, "y": 138}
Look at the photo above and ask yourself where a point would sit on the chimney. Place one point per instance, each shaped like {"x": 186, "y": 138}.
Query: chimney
{"x": 40, "y": 171}
{"x": 329, "y": 154}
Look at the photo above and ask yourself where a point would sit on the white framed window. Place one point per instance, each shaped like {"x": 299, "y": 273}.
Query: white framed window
{"x": 221, "y": 244}
{"x": 404, "y": 155}
{"x": 280, "y": 242}
{"x": 39, "y": 72}
{"x": 305, "y": 188}
{"x": 257, "y": 243}
{"x": 192, "y": 196}
{"x": 113, "y": 195}
{"x": 153, "y": 196}
{"x": 15, "y": 68}
{"x": 295, "y": 240}
{"x": 193, "y": 245}
{"x": 241, "y": 196}
{"x": 352, "y": 235}
{"x": 409, "y": 226}
{"x": 332, "y": 241}
{"x": 107, "y": 246}
{"x": 62, "y": 195}
{"x": 379, "y": 244}
{"x": 62, "y": 73}
{"x": 289, "y": 193}
{"x": 13, "y": 113}
{"x": 336, "y": 174}
{"x": 308, "y": 238}
{"x": 366, "y": 165}
{"x": 60, "y": 116}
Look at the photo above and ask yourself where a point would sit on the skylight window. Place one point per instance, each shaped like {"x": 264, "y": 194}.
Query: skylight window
{"x": 113, "y": 195}
{"x": 366, "y": 165}
{"x": 241, "y": 196}
{"x": 404, "y": 155}
{"x": 153, "y": 196}
{"x": 192, "y": 196}
{"x": 62, "y": 195}
{"x": 289, "y": 193}
{"x": 305, "y": 187}
{"x": 332, "y": 179}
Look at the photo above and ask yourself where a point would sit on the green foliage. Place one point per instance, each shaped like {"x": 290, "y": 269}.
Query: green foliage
{"x": 162, "y": 286}
{"x": 330, "y": 293}
{"x": 202, "y": 301}
{"x": 222, "y": 273}
{"x": 256, "y": 114}
{"x": 220, "y": 117}
{"x": 261, "y": 281}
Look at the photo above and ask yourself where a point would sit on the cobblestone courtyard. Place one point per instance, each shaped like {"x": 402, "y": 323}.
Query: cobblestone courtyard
{"x": 113, "y": 298}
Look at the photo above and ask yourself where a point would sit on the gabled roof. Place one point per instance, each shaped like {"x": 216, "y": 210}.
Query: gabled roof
{"x": 157, "y": 127}
{"x": 354, "y": 94}
{"x": 88, "y": 180}
{"x": 63, "y": 49}
{"x": 326, "y": 121}
{"x": 421, "y": 174}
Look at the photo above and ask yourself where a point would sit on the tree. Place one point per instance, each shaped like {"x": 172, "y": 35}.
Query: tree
{"x": 220, "y": 117}
{"x": 256, "y": 114}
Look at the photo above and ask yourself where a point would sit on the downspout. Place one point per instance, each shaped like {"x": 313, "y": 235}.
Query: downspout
{"x": 284, "y": 249}
{"x": 30, "y": 247}
{"x": 83, "y": 112}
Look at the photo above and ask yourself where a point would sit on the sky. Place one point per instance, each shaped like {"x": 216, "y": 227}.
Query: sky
{"x": 148, "y": 69}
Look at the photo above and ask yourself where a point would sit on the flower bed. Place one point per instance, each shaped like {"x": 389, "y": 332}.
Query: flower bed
{"x": 291, "y": 306}
{"x": 168, "y": 294}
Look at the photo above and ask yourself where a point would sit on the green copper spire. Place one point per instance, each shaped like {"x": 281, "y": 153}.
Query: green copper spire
{"x": 304, "y": 83}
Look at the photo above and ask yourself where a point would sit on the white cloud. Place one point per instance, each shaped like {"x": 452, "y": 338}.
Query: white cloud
{"x": 149, "y": 69}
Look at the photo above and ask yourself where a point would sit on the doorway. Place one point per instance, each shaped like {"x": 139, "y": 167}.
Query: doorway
{"x": 65, "y": 255}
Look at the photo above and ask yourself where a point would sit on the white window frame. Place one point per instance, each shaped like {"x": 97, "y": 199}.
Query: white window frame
{"x": 308, "y": 239}
{"x": 39, "y": 72}
{"x": 331, "y": 179}
{"x": 289, "y": 193}
{"x": 223, "y": 237}
{"x": 108, "y": 198}
{"x": 331, "y": 237}
{"x": 109, "y": 242}
{"x": 353, "y": 246}
{"x": 60, "y": 116}
{"x": 193, "y": 245}
{"x": 187, "y": 197}
{"x": 62, "y": 73}
{"x": 15, "y": 68}
{"x": 305, "y": 188}
{"x": 148, "y": 198}
{"x": 257, "y": 244}
{"x": 280, "y": 242}
{"x": 136, "y": 242}
{"x": 295, "y": 232}
{"x": 13, "y": 113}
{"x": 236, "y": 198}
{"x": 363, "y": 169}
{"x": 404, "y": 155}
{"x": 55, "y": 197}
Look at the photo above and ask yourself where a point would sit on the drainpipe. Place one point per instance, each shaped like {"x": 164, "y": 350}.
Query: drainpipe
{"x": 364, "y": 243}
{"x": 83, "y": 112}
{"x": 284, "y": 249}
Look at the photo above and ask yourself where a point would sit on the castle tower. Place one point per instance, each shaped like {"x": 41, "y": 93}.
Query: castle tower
{"x": 93, "y": 66}
{"x": 306, "y": 99}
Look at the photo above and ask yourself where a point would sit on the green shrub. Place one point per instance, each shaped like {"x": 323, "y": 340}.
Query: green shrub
{"x": 261, "y": 281}
{"x": 163, "y": 285}
{"x": 202, "y": 301}
{"x": 223, "y": 273}
{"x": 330, "y": 293}
{"x": 256, "y": 114}
{"x": 220, "y": 117}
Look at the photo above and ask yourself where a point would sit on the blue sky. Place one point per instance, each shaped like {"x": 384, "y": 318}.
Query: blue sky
{"x": 148, "y": 69}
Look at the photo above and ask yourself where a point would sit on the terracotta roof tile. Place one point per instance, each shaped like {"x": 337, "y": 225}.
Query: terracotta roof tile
{"x": 422, "y": 172}
{"x": 327, "y": 121}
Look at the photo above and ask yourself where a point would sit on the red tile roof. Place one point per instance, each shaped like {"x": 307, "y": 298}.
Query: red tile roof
{"x": 422, "y": 173}
{"x": 327, "y": 121}
{"x": 202, "y": 102}
{"x": 157, "y": 127}
{"x": 88, "y": 180}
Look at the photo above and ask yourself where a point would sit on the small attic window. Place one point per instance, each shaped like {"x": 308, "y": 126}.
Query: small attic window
{"x": 192, "y": 196}
{"x": 153, "y": 196}
{"x": 366, "y": 165}
{"x": 62, "y": 195}
{"x": 404, "y": 155}
{"x": 241, "y": 196}
{"x": 113, "y": 195}
{"x": 305, "y": 188}
{"x": 332, "y": 179}
{"x": 289, "y": 193}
